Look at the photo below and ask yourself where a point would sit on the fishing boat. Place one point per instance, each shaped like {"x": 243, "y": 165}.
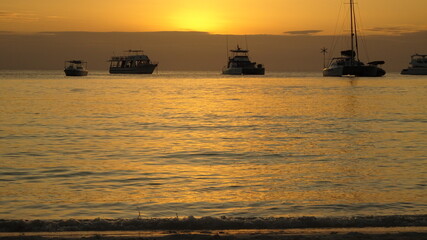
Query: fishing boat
{"x": 349, "y": 64}
{"x": 417, "y": 66}
{"x": 75, "y": 68}
{"x": 134, "y": 63}
{"x": 239, "y": 64}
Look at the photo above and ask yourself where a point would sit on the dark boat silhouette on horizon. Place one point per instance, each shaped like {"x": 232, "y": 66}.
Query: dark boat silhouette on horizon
{"x": 349, "y": 63}
{"x": 137, "y": 63}
{"x": 75, "y": 68}
{"x": 240, "y": 64}
{"x": 417, "y": 66}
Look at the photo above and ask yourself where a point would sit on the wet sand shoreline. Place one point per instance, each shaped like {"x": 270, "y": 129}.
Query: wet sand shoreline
{"x": 190, "y": 228}
{"x": 211, "y": 223}
{"x": 390, "y": 233}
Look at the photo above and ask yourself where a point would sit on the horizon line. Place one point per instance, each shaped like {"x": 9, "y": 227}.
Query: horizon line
{"x": 302, "y": 33}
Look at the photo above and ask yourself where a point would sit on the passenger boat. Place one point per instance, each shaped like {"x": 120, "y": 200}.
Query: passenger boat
{"x": 349, "y": 63}
{"x": 417, "y": 66}
{"x": 134, "y": 63}
{"x": 75, "y": 68}
{"x": 239, "y": 64}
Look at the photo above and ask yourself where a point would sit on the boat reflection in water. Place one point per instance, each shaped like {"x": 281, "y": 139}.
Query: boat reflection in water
{"x": 132, "y": 64}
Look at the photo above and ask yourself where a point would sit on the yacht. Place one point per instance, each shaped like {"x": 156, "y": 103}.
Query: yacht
{"x": 349, "y": 63}
{"x": 134, "y": 63}
{"x": 239, "y": 64}
{"x": 417, "y": 66}
{"x": 75, "y": 68}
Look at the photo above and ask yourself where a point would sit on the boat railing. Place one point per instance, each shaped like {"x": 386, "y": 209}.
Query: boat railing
{"x": 376, "y": 63}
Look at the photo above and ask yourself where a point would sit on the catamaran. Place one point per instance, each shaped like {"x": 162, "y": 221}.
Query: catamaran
{"x": 349, "y": 63}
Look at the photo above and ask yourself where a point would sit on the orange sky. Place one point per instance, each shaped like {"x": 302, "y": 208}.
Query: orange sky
{"x": 214, "y": 16}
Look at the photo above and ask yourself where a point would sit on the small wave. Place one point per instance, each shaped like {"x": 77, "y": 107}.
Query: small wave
{"x": 77, "y": 90}
{"x": 211, "y": 223}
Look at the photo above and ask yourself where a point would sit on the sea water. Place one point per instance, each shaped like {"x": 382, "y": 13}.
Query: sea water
{"x": 202, "y": 144}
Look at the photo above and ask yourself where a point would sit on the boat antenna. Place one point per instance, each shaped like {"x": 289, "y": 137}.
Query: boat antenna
{"x": 324, "y": 51}
{"x": 353, "y": 33}
{"x": 360, "y": 35}
{"x": 335, "y": 38}
{"x": 226, "y": 40}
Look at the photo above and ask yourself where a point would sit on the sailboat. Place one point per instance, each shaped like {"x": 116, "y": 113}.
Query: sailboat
{"x": 349, "y": 64}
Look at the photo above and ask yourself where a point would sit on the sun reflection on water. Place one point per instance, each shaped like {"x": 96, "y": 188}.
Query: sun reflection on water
{"x": 245, "y": 146}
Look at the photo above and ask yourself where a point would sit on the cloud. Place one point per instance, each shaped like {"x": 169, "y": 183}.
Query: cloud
{"x": 396, "y": 30}
{"x": 17, "y": 17}
{"x": 303, "y": 32}
{"x": 22, "y": 16}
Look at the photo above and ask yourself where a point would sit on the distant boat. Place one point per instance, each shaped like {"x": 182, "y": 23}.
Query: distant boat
{"x": 349, "y": 64}
{"x": 75, "y": 68}
{"x": 132, "y": 64}
{"x": 239, "y": 64}
{"x": 418, "y": 65}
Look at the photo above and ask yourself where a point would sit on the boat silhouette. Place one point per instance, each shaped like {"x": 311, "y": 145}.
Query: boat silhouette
{"x": 240, "y": 64}
{"x": 349, "y": 64}
{"x": 134, "y": 63}
{"x": 418, "y": 65}
{"x": 75, "y": 68}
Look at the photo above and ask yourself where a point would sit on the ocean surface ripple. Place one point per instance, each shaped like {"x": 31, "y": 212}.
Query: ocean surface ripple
{"x": 205, "y": 145}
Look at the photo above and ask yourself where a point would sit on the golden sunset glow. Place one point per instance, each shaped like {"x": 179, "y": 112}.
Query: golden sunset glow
{"x": 196, "y": 20}
{"x": 219, "y": 16}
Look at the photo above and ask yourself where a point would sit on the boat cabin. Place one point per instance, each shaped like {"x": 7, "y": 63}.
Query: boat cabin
{"x": 132, "y": 64}
{"x": 418, "y": 61}
{"x": 75, "y": 64}
{"x": 129, "y": 61}
{"x": 75, "y": 68}
{"x": 348, "y": 59}
{"x": 240, "y": 59}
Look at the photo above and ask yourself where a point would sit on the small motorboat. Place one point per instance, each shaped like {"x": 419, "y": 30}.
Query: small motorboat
{"x": 75, "y": 68}
{"x": 239, "y": 64}
{"x": 417, "y": 66}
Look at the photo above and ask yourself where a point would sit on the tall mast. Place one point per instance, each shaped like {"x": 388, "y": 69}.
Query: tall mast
{"x": 226, "y": 39}
{"x": 355, "y": 33}
{"x": 352, "y": 30}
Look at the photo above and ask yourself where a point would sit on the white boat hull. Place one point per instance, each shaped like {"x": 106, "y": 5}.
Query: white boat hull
{"x": 357, "y": 71}
{"x": 243, "y": 71}
{"x": 142, "y": 69}
{"x": 75, "y": 72}
{"x": 333, "y": 72}
{"x": 232, "y": 71}
{"x": 414, "y": 71}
